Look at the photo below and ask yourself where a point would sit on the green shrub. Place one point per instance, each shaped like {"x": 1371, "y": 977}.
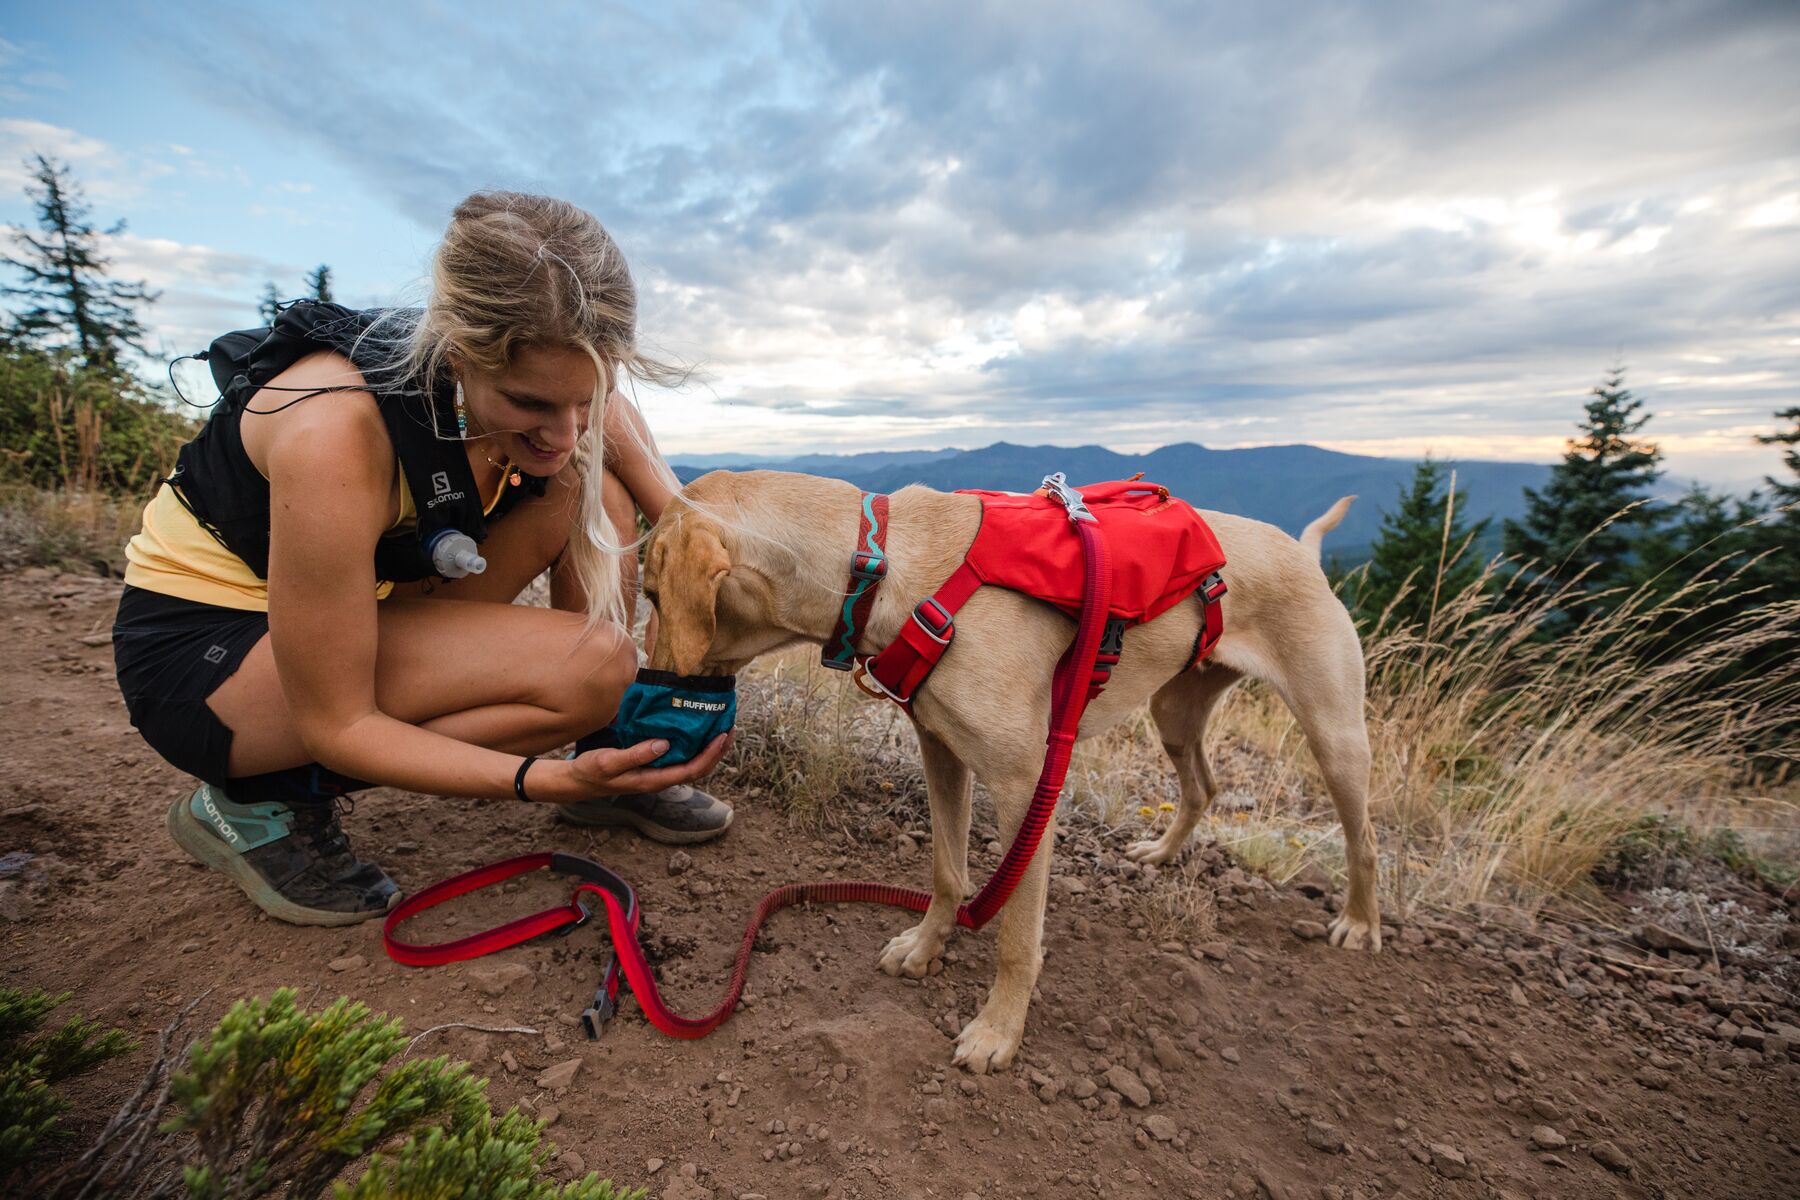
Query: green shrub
{"x": 31, "y": 1061}
{"x": 84, "y": 428}
{"x": 275, "y": 1099}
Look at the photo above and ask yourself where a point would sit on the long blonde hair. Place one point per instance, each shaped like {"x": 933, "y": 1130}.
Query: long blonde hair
{"x": 516, "y": 270}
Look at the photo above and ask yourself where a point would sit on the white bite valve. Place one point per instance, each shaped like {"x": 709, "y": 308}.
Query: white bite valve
{"x": 454, "y": 555}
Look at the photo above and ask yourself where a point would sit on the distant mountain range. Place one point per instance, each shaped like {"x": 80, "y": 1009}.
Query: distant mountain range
{"x": 1286, "y": 486}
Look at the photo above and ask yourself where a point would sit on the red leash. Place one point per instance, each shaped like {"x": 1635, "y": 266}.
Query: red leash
{"x": 1076, "y": 676}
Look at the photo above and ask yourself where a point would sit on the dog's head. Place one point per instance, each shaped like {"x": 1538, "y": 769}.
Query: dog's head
{"x": 718, "y": 604}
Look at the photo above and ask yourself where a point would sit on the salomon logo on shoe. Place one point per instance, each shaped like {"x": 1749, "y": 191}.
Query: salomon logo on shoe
{"x": 219, "y": 822}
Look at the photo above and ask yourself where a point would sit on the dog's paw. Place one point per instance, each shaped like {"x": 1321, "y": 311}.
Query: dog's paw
{"x": 912, "y": 953}
{"x": 1348, "y": 933}
{"x": 986, "y": 1044}
{"x": 1151, "y": 851}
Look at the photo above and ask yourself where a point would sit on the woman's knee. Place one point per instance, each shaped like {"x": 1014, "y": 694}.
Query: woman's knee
{"x": 592, "y": 675}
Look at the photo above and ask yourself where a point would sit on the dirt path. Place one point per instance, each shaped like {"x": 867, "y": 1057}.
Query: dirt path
{"x": 1463, "y": 1062}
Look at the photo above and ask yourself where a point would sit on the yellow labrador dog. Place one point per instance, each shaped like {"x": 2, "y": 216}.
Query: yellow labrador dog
{"x": 746, "y": 563}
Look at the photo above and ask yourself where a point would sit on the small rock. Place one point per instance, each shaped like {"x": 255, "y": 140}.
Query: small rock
{"x": 1124, "y": 1080}
{"x": 1082, "y": 1088}
{"x": 679, "y": 862}
{"x": 350, "y": 962}
{"x": 1322, "y": 1135}
{"x": 1160, "y": 1127}
{"x": 1656, "y": 937}
{"x": 549, "y": 1114}
{"x": 1655, "y": 1080}
{"x": 1448, "y": 1161}
{"x": 1546, "y": 1138}
{"x": 572, "y": 1162}
{"x": 1230, "y": 1054}
{"x": 905, "y": 846}
{"x": 1217, "y": 951}
{"x": 1611, "y": 1157}
{"x": 559, "y": 1076}
{"x": 653, "y": 1165}
{"x": 499, "y": 978}
{"x": 1309, "y": 931}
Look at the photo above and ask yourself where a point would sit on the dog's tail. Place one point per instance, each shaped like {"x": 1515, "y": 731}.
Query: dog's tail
{"x": 1314, "y": 534}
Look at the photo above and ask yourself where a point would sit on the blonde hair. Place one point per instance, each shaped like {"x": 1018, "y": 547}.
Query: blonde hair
{"x": 516, "y": 270}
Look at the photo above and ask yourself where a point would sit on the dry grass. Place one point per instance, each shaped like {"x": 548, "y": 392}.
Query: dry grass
{"x": 67, "y": 528}
{"x": 1506, "y": 764}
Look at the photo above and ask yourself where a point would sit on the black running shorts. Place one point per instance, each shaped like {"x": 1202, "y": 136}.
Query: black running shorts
{"x": 170, "y": 655}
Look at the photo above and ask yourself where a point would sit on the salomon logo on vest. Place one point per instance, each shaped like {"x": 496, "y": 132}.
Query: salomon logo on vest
{"x": 440, "y": 488}
{"x": 702, "y": 705}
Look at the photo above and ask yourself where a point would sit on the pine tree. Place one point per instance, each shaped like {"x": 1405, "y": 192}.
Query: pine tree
{"x": 318, "y": 282}
{"x": 269, "y": 303}
{"x": 1416, "y": 560}
{"x": 1786, "y": 492}
{"x": 1589, "y": 513}
{"x": 69, "y": 298}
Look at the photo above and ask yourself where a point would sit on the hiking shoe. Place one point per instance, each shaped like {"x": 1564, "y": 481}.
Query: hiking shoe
{"x": 293, "y": 861}
{"x": 678, "y": 815}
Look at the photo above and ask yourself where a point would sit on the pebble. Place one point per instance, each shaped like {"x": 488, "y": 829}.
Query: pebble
{"x": 1448, "y": 1161}
{"x": 572, "y": 1163}
{"x": 549, "y": 1114}
{"x": 1610, "y": 1157}
{"x": 1124, "y": 1080}
{"x": 1655, "y": 1080}
{"x": 653, "y": 1165}
{"x": 679, "y": 862}
{"x": 1309, "y": 931}
{"x": 1160, "y": 1127}
{"x": 1546, "y": 1138}
{"x": 559, "y": 1076}
{"x": 1322, "y": 1135}
{"x": 1230, "y": 1054}
{"x": 350, "y": 962}
{"x": 499, "y": 978}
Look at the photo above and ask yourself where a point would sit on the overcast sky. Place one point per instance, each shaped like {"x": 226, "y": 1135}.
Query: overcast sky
{"x": 1384, "y": 228}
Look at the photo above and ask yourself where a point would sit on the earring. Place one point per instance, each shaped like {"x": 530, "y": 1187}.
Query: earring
{"x": 462, "y": 413}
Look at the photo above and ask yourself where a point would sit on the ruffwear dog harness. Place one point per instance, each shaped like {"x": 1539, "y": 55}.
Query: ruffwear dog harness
{"x": 1162, "y": 552}
{"x": 1168, "y": 553}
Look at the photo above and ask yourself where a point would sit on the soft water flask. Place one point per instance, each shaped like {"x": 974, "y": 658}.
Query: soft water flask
{"x": 454, "y": 555}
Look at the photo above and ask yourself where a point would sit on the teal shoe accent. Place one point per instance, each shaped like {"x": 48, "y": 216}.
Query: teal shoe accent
{"x": 243, "y": 827}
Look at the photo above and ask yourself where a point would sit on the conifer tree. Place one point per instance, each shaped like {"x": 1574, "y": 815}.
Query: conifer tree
{"x": 1415, "y": 558}
{"x": 1579, "y": 521}
{"x": 68, "y": 298}
{"x": 269, "y": 304}
{"x": 1786, "y": 491}
{"x": 318, "y": 282}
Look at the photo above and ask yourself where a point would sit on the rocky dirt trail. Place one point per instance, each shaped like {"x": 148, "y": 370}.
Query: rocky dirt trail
{"x": 1251, "y": 1061}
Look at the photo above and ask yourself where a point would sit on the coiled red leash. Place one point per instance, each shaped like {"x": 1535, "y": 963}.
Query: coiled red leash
{"x": 1076, "y": 679}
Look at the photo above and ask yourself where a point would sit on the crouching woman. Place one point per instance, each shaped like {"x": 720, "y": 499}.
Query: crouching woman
{"x": 319, "y": 600}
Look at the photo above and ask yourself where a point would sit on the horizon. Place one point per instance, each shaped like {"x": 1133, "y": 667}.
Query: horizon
{"x": 883, "y": 231}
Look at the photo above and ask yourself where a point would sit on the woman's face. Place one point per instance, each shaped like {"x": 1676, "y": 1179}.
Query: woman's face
{"x": 535, "y": 411}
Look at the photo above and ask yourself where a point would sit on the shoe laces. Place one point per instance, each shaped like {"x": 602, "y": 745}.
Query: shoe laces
{"x": 318, "y": 826}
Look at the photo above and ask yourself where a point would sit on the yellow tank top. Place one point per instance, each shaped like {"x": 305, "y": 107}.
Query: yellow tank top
{"x": 173, "y": 554}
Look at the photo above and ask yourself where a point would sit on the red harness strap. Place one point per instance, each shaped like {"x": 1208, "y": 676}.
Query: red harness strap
{"x": 1212, "y": 617}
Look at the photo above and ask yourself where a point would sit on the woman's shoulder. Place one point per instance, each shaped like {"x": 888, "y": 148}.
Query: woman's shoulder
{"x": 321, "y": 405}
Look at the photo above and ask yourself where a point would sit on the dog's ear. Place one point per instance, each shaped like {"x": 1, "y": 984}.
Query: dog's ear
{"x": 693, "y": 564}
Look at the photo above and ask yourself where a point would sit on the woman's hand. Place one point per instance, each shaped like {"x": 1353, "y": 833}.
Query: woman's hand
{"x": 621, "y": 772}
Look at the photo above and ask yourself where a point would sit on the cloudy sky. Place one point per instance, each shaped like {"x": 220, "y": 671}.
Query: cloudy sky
{"x": 1386, "y": 228}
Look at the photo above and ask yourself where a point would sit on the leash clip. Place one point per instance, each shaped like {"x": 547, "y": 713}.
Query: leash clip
{"x": 1056, "y": 486}
{"x": 579, "y": 902}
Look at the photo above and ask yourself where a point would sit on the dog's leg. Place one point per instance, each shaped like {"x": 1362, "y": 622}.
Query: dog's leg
{"x": 947, "y": 782}
{"x": 1330, "y": 709}
{"x": 993, "y": 1037}
{"x": 1180, "y": 709}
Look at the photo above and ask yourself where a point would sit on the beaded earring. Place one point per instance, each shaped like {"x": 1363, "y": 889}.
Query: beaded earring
{"x": 462, "y": 413}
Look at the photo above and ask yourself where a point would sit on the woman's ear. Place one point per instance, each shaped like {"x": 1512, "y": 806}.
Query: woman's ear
{"x": 694, "y": 564}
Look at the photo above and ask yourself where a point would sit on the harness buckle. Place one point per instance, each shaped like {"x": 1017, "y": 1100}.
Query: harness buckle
{"x": 868, "y": 566}
{"x": 871, "y": 686}
{"x": 580, "y": 902}
{"x": 938, "y": 623}
{"x": 1213, "y": 587}
{"x": 606, "y": 1003}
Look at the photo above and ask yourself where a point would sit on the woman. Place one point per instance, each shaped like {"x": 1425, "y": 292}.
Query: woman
{"x": 262, "y": 643}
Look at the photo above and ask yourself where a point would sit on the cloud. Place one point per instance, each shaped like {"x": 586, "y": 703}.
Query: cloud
{"x": 1129, "y": 221}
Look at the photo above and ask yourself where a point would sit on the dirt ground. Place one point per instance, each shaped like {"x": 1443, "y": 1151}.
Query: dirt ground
{"x": 1462, "y": 1061}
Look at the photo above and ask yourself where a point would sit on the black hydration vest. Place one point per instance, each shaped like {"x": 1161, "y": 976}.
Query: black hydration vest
{"x": 218, "y": 483}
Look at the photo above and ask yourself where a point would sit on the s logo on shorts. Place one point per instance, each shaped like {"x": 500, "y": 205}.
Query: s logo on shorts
{"x": 215, "y": 654}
